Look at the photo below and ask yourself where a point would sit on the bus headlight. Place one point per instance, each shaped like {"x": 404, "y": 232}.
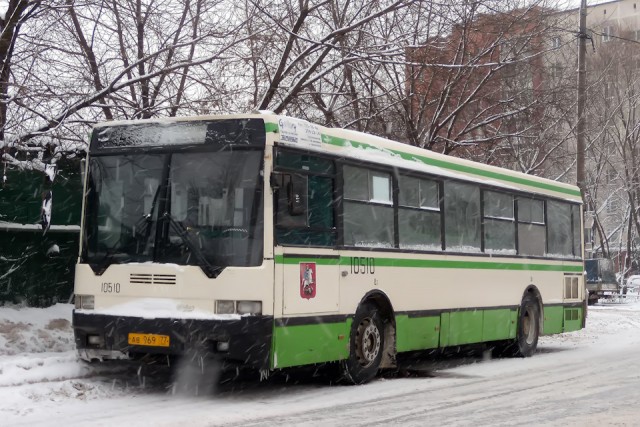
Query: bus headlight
{"x": 85, "y": 302}
{"x": 238, "y": 307}
{"x": 225, "y": 307}
{"x": 249, "y": 307}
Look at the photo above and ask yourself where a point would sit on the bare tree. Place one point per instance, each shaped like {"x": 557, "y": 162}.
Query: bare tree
{"x": 613, "y": 185}
{"x": 103, "y": 59}
{"x": 456, "y": 77}
{"x": 486, "y": 90}
{"x": 315, "y": 42}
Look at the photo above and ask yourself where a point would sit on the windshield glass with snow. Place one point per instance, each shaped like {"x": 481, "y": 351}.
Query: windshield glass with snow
{"x": 198, "y": 206}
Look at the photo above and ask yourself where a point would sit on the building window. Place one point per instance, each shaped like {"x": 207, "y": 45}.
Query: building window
{"x": 556, "y": 71}
{"x": 608, "y": 90}
{"x": 613, "y": 205}
{"x": 555, "y": 42}
{"x": 588, "y": 236}
{"x": 607, "y": 32}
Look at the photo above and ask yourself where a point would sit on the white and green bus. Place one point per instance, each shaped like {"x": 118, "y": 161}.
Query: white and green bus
{"x": 272, "y": 242}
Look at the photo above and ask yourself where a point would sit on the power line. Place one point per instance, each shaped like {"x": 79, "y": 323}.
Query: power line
{"x": 597, "y": 33}
{"x": 616, "y": 37}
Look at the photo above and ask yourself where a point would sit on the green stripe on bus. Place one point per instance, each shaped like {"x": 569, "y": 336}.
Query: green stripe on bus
{"x": 432, "y": 263}
{"x": 280, "y": 259}
{"x": 341, "y": 142}
{"x": 476, "y": 265}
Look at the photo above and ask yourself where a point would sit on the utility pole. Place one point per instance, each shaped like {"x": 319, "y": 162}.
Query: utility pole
{"x": 582, "y": 81}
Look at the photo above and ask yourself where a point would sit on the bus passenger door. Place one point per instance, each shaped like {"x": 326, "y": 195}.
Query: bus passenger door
{"x": 305, "y": 230}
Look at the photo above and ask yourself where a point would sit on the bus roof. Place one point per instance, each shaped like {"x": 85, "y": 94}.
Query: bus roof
{"x": 351, "y": 144}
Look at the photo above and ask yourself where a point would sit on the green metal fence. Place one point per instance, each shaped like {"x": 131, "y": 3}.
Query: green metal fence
{"x": 36, "y": 268}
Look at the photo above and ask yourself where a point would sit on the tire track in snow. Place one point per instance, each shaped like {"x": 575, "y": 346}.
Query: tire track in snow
{"x": 48, "y": 367}
{"x": 554, "y": 387}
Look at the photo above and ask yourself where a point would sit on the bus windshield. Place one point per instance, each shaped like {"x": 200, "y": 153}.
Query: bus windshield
{"x": 188, "y": 208}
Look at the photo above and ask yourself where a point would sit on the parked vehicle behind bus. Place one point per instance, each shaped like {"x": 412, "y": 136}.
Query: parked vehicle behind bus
{"x": 601, "y": 279}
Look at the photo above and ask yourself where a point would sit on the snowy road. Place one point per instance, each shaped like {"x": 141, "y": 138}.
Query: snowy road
{"x": 589, "y": 377}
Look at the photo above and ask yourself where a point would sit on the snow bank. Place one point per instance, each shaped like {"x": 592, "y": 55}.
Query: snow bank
{"x": 35, "y": 330}
{"x": 39, "y": 367}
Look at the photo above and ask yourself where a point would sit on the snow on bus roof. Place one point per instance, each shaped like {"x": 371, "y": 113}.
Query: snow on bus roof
{"x": 358, "y": 145}
{"x": 169, "y": 120}
{"x": 379, "y": 150}
{"x": 396, "y": 150}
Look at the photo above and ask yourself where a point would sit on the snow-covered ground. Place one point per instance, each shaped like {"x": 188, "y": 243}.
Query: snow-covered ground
{"x": 588, "y": 377}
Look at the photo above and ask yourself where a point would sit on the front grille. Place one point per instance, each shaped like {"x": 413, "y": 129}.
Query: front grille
{"x": 152, "y": 279}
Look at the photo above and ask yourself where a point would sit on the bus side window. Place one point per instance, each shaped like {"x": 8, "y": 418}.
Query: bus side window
{"x": 560, "y": 233}
{"x": 303, "y": 199}
{"x": 531, "y": 227}
{"x": 462, "y": 217}
{"x": 368, "y": 207}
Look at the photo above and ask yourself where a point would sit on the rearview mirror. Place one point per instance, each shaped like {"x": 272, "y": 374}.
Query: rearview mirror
{"x": 45, "y": 212}
{"x": 297, "y": 195}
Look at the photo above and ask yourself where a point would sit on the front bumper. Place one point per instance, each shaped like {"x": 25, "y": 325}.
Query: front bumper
{"x": 602, "y": 289}
{"x": 248, "y": 338}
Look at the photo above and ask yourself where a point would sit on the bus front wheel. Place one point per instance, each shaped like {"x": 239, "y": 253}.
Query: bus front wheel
{"x": 365, "y": 345}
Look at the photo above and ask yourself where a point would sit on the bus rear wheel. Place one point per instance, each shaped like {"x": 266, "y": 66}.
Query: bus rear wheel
{"x": 366, "y": 345}
{"x": 528, "y": 331}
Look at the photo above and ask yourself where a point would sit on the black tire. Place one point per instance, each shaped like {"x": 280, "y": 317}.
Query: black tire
{"x": 366, "y": 345}
{"x": 528, "y": 331}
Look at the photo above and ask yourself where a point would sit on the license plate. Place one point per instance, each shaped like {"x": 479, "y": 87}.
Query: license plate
{"x": 153, "y": 340}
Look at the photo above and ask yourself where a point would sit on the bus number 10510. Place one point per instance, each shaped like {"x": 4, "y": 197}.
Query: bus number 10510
{"x": 363, "y": 265}
{"x": 109, "y": 287}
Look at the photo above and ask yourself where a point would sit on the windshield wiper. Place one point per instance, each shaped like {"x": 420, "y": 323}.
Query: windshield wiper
{"x": 183, "y": 233}
{"x": 142, "y": 228}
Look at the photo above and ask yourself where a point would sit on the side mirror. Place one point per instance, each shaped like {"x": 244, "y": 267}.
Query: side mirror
{"x": 53, "y": 251}
{"x": 83, "y": 171}
{"x": 297, "y": 195}
{"x": 274, "y": 181}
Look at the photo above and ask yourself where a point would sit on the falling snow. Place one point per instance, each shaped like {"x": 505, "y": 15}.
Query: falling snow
{"x": 588, "y": 377}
